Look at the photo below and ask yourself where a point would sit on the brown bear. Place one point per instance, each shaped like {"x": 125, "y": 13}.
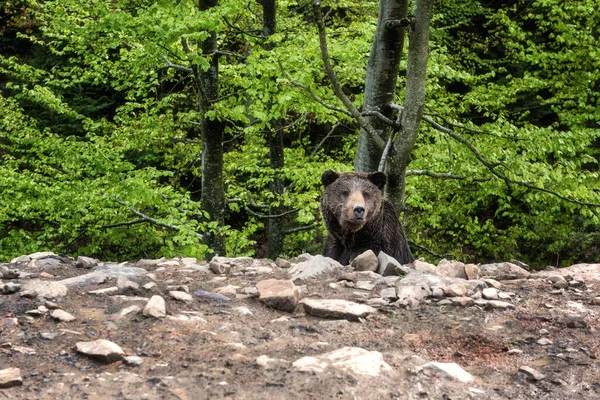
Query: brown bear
{"x": 359, "y": 219}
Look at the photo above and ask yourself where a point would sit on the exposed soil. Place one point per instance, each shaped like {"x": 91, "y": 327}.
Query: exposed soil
{"x": 216, "y": 358}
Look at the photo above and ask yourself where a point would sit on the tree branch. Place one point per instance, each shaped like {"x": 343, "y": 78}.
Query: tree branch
{"x": 337, "y": 87}
{"x": 301, "y": 228}
{"x": 444, "y": 175}
{"x": 145, "y": 218}
{"x": 177, "y": 66}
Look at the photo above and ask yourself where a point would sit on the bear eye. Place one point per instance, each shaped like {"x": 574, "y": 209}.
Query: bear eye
{"x": 366, "y": 195}
{"x": 345, "y": 193}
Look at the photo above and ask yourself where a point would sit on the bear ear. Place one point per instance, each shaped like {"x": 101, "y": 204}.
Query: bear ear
{"x": 379, "y": 179}
{"x": 329, "y": 177}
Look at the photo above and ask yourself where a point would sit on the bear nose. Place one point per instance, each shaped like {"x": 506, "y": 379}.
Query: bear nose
{"x": 359, "y": 211}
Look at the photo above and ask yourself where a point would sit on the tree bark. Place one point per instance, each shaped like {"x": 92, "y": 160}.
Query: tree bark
{"x": 416, "y": 76}
{"x": 212, "y": 198}
{"x": 380, "y": 84}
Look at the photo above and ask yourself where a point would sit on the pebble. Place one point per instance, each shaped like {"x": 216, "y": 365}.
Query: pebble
{"x": 336, "y": 309}
{"x": 531, "y": 373}
{"x": 544, "y": 342}
{"x": 10, "y": 377}
{"x": 10, "y": 288}
{"x": 156, "y": 307}
{"x": 181, "y": 296}
{"x": 453, "y": 370}
{"x": 350, "y": 359}
{"x": 62, "y": 316}
{"x": 101, "y": 349}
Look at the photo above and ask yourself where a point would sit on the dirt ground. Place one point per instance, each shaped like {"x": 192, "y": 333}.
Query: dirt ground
{"x": 215, "y": 357}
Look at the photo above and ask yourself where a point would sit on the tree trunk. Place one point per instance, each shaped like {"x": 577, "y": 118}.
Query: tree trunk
{"x": 275, "y": 224}
{"x": 380, "y": 84}
{"x": 416, "y": 76}
{"x": 212, "y": 199}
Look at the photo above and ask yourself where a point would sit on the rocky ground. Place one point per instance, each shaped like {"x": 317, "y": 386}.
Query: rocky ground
{"x": 305, "y": 328}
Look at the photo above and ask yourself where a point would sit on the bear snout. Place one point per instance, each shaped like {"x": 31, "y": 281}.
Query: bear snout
{"x": 359, "y": 212}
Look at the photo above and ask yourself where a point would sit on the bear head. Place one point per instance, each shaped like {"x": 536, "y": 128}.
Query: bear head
{"x": 350, "y": 199}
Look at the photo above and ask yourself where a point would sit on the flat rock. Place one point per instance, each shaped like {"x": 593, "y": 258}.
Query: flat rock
{"x": 47, "y": 290}
{"x": 113, "y": 270}
{"x": 503, "y": 305}
{"x": 490, "y": 293}
{"x": 389, "y": 266}
{"x": 62, "y": 316}
{"x": 349, "y": 359}
{"x": 10, "y": 288}
{"x": 503, "y": 271}
{"x": 181, "y": 296}
{"x": 94, "y": 278}
{"x": 366, "y": 261}
{"x": 336, "y": 309}
{"x": 532, "y": 373}
{"x": 10, "y": 377}
{"x": 579, "y": 272}
{"x": 452, "y": 269}
{"x": 455, "y": 290}
{"x": 85, "y": 262}
{"x": 452, "y": 370}
{"x": 101, "y": 349}
{"x": 314, "y": 266}
{"x": 156, "y": 307}
{"x": 124, "y": 312}
{"x": 105, "y": 291}
{"x": 422, "y": 266}
{"x": 278, "y": 294}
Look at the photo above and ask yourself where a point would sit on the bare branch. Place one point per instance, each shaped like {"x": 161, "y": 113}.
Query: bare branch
{"x": 492, "y": 167}
{"x": 318, "y": 147}
{"x": 145, "y": 218}
{"x": 119, "y": 224}
{"x": 444, "y": 175}
{"x": 257, "y": 215}
{"x": 427, "y": 250}
{"x": 301, "y": 228}
{"x": 337, "y": 87}
{"x": 177, "y": 66}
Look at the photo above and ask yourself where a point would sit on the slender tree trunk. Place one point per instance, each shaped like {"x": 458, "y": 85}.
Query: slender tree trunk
{"x": 275, "y": 224}
{"x": 213, "y": 192}
{"x": 382, "y": 74}
{"x": 416, "y": 76}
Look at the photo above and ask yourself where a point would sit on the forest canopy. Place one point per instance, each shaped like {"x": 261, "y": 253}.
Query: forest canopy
{"x": 113, "y": 116}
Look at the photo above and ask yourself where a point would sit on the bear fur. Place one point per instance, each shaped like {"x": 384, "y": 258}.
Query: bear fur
{"x": 359, "y": 219}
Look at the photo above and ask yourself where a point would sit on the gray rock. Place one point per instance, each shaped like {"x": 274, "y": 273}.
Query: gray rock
{"x": 133, "y": 360}
{"x": 472, "y": 271}
{"x": 389, "y": 266}
{"x": 503, "y": 305}
{"x": 267, "y": 362}
{"x": 41, "y": 254}
{"x": 452, "y": 370}
{"x": 452, "y": 269}
{"x": 349, "y": 359}
{"x": 314, "y": 266}
{"x": 21, "y": 260}
{"x": 544, "y": 342}
{"x": 490, "y": 293}
{"x": 424, "y": 267}
{"x": 455, "y": 290}
{"x": 388, "y": 293}
{"x": 278, "y": 294}
{"x": 94, "y": 278}
{"x": 462, "y": 301}
{"x": 336, "y": 309}
{"x": 156, "y": 307}
{"x": 10, "y": 288}
{"x": 113, "y": 270}
{"x": 281, "y": 263}
{"x": 503, "y": 271}
{"x": 126, "y": 286}
{"x": 124, "y": 312}
{"x": 85, "y": 262}
{"x": 10, "y": 377}
{"x": 366, "y": 261}
{"x": 412, "y": 295}
{"x": 531, "y": 373}
{"x": 50, "y": 262}
{"x": 101, "y": 349}
{"x": 181, "y": 296}
{"x": 45, "y": 289}
{"x": 6, "y": 273}
{"x": 212, "y": 297}
{"x": 62, "y": 316}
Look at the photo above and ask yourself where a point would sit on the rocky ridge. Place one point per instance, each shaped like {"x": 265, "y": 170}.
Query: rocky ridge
{"x": 308, "y": 327}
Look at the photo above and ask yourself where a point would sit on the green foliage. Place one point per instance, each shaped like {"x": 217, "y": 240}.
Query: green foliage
{"x": 100, "y": 144}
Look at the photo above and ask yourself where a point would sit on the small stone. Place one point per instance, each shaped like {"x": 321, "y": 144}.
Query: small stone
{"x": 10, "y": 288}
{"x": 452, "y": 269}
{"x": 281, "y": 263}
{"x": 378, "y": 302}
{"x": 86, "y": 262}
{"x": 388, "y": 293}
{"x": 503, "y": 305}
{"x": 544, "y": 342}
{"x": 424, "y": 267}
{"x": 156, "y": 307}
{"x": 228, "y": 290}
{"x": 389, "y": 266}
{"x": 503, "y": 271}
{"x": 267, "y": 362}
{"x": 472, "y": 271}
{"x": 211, "y": 297}
{"x": 505, "y": 295}
{"x": 10, "y": 377}
{"x": 21, "y": 260}
{"x": 101, "y": 349}
{"x": 219, "y": 267}
{"x": 133, "y": 309}
{"x": 48, "y": 290}
{"x": 336, "y": 309}
{"x": 243, "y": 310}
{"x": 105, "y": 291}
{"x": 366, "y": 261}
{"x": 544, "y": 332}
{"x": 364, "y": 285}
{"x": 169, "y": 264}
{"x": 455, "y": 290}
{"x": 125, "y": 285}
{"x": 51, "y": 305}
{"x": 181, "y": 296}
{"x": 462, "y": 301}
{"x": 492, "y": 282}
{"x": 62, "y": 316}
{"x": 278, "y": 294}
{"x": 312, "y": 267}
{"x": 94, "y": 278}
{"x": 133, "y": 360}
{"x": 514, "y": 351}
{"x": 48, "y": 335}
{"x": 490, "y": 293}
{"x": 453, "y": 370}
{"x": 532, "y": 373}
{"x": 350, "y": 359}
{"x": 596, "y": 301}
{"x": 150, "y": 285}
